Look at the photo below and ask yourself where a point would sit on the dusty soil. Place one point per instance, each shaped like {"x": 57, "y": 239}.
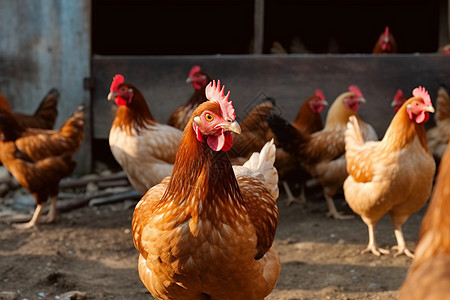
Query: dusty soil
{"x": 90, "y": 249}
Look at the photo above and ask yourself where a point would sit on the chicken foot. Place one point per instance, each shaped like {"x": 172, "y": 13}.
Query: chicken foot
{"x": 401, "y": 245}
{"x": 332, "y": 211}
{"x": 37, "y": 218}
{"x": 51, "y": 215}
{"x": 33, "y": 221}
{"x": 290, "y": 197}
{"x": 372, "y": 246}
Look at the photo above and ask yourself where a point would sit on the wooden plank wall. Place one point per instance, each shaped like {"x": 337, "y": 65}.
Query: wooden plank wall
{"x": 289, "y": 79}
{"x": 46, "y": 44}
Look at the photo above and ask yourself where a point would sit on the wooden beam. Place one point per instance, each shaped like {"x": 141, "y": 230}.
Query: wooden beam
{"x": 258, "y": 39}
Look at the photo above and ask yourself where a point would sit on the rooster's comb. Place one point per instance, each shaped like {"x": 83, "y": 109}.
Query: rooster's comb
{"x": 386, "y": 31}
{"x": 117, "y": 80}
{"x": 355, "y": 89}
{"x": 195, "y": 69}
{"x": 421, "y": 92}
{"x": 320, "y": 94}
{"x": 215, "y": 94}
{"x": 399, "y": 94}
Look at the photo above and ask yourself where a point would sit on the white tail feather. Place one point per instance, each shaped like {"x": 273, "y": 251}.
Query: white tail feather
{"x": 260, "y": 165}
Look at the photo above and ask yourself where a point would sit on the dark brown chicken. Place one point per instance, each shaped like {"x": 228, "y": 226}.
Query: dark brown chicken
{"x": 45, "y": 115}
{"x": 206, "y": 232}
{"x": 181, "y": 115}
{"x": 40, "y": 158}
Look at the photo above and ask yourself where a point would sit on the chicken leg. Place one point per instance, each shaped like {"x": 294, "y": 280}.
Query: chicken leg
{"x": 290, "y": 197}
{"x": 397, "y": 221}
{"x": 51, "y": 215}
{"x": 401, "y": 245}
{"x": 37, "y": 218}
{"x": 372, "y": 246}
{"x": 34, "y": 219}
{"x": 332, "y": 211}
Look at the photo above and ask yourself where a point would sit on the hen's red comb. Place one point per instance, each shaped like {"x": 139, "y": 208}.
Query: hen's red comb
{"x": 386, "y": 31}
{"x": 355, "y": 89}
{"x": 421, "y": 92}
{"x": 320, "y": 94}
{"x": 117, "y": 80}
{"x": 195, "y": 69}
{"x": 215, "y": 94}
{"x": 398, "y": 95}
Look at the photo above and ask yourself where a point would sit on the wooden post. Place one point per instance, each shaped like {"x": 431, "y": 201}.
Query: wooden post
{"x": 444, "y": 23}
{"x": 258, "y": 38}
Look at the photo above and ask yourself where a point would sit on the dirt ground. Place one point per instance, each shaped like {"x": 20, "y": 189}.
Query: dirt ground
{"x": 90, "y": 250}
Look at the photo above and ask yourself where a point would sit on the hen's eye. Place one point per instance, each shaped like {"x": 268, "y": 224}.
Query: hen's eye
{"x": 209, "y": 118}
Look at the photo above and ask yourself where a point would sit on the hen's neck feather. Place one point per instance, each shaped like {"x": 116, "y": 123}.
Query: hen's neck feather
{"x": 202, "y": 177}
{"x": 307, "y": 120}
{"x": 402, "y": 131}
{"x": 338, "y": 114}
{"x": 135, "y": 115}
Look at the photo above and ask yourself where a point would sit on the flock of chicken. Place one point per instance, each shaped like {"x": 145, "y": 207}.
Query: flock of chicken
{"x": 208, "y": 218}
{"x": 205, "y": 225}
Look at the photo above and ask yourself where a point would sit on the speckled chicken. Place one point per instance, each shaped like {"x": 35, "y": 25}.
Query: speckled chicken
{"x": 206, "y": 231}
{"x": 394, "y": 175}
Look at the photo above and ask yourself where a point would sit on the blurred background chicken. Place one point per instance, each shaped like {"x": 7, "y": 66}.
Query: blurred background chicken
{"x": 393, "y": 175}
{"x": 438, "y": 135}
{"x": 386, "y": 43}
{"x": 256, "y": 132}
{"x": 428, "y": 277}
{"x": 144, "y": 148}
{"x": 206, "y": 232}
{"x": 322, "y": 152}
{"x": 399, "y": 99}
{"x": 181, "y": 115}
{"x": 290, "y": 168}
{"x": 45, "y": 115}
{"x": 40, "y": 158}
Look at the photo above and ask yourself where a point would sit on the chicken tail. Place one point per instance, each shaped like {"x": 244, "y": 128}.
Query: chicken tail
{"x": 47, "y": 111}
{"x": 353, "y": 134}
{"x": 73, "y": 128}
{"x": 288, "y": 137}
{"x": 262, "y": 163}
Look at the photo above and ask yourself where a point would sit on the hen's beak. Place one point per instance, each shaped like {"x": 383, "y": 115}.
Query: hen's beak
{"x": 393, "y": 103}
{"x": 362, "y": 100}
{"x": 189, "y": 80}
{"x": 232, "y": 126}
{"x": 112, "y": 95}
{"x": 428, "y": 108}
{"x": 324, "y": 103}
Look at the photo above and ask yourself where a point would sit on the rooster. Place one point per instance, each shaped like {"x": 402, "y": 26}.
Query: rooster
{"x": 44, "y": 116}
{"x": 393, "y": 175}
{"x": 199, "y": 80}
{"x": 399, "y": 99}
{"x": 206, "y": 232}
{"x": 438, "y": 135}
{"x": 386, "y": 43}
{"x": 323, "y": 152}
{"x": 40, "y": 158}
{"x": 428, "y": 277}
{"x": 144, "y": 148}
